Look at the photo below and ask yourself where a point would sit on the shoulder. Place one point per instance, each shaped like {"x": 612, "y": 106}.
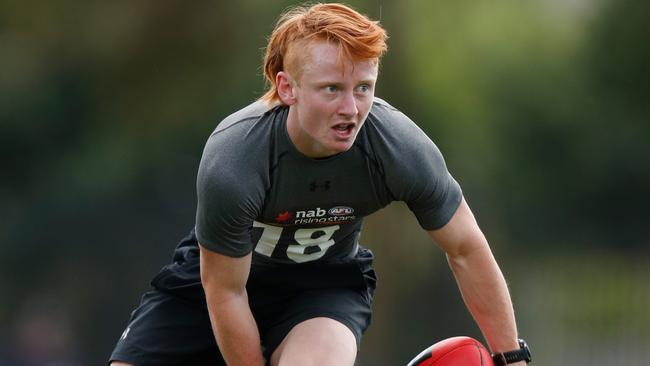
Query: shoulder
{"x": 391, "y": 123}
{"x": 238, "y": 149}
{"x": 243, "y": 134}
{"x": 382, "y": 111}
{"x": 243, "y": 119}
{"x": 388, "y": 129}
{"x": 399, "y": 146}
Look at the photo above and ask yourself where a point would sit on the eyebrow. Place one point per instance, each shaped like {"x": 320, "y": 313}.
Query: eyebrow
{"x": 338, "y": 83}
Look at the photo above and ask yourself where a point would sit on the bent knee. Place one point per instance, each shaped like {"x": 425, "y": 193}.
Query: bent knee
{"x": 318, "y": 341}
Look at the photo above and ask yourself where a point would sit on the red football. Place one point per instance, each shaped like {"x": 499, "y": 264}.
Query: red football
{"x": 455, "y": 351}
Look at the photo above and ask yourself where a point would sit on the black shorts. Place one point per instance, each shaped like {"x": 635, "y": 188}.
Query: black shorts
{"x": 168, "y": 329}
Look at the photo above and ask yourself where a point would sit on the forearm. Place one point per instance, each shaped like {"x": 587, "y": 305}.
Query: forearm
{"x": 479, "y": 278}
{"x": 224, "y": 283}
{"x": 235, "y": 329}
{"x": 486, "y": 295}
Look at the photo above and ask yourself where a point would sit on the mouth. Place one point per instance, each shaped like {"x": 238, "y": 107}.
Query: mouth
{"x": 343, "y": 130}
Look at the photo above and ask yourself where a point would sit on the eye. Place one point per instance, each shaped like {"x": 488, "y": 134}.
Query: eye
{"x": 331, "y": 89}
{"x": 363, "y": 88}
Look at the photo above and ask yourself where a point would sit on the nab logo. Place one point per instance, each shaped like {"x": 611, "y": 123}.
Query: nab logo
{"x": 318, "y": 212}
{"x": 340, "y": 211}
{"x": 286, "y": 215}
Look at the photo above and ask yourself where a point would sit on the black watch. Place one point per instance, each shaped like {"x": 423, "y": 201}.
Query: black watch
{"x": 522, "y": 354}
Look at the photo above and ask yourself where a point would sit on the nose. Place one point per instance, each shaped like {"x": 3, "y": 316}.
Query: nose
{"x": 348, "y": 105}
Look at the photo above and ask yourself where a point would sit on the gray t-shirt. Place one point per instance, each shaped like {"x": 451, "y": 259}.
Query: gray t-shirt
{"x": 256, "y": 192}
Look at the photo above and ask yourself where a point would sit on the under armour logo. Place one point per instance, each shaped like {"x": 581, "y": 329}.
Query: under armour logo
{"x": 313, "y": 186}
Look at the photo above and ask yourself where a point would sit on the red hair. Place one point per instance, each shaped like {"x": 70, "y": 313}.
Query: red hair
{"x": 357, "y": 37}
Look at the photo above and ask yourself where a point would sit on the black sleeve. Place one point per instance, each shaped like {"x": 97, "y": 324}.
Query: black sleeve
{"x": 415, "y": 170}
{"x": 229, "y": 197}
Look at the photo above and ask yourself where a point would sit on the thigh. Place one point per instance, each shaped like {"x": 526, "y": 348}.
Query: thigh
{"x": 348, "y": 309}
{"x": 285, "y": 297}
{"x": 168, "y": 330}
{"x": 317, "y": 341}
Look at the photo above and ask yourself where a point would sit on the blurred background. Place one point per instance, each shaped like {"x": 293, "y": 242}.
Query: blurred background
{"x": 540, "y": 107}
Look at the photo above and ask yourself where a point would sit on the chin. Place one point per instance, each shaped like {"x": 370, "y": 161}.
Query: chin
{"x": 341, "y": 148}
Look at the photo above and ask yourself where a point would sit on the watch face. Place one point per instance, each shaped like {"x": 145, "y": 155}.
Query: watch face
{"x": 526, "y": 351}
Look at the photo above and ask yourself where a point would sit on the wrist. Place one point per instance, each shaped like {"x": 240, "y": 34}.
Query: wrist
{"x": 518, "y": 357}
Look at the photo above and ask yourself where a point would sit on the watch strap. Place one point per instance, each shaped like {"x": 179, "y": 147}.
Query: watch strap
{"x": 504, "y": 358}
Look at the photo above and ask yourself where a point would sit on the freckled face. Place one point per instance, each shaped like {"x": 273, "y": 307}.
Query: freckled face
{"x": 329, "y": 104}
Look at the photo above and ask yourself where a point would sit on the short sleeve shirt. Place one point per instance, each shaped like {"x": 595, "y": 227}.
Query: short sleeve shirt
{"x": 257, "y": 192}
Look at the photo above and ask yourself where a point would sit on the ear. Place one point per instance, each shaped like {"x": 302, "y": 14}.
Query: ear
{"x": 284, "y": 83}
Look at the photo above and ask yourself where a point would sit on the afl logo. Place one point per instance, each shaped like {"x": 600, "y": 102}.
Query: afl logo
{"x": 340, "y": 211}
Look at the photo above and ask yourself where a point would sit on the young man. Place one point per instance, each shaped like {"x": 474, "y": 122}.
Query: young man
{"x": 273, "y": 270}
